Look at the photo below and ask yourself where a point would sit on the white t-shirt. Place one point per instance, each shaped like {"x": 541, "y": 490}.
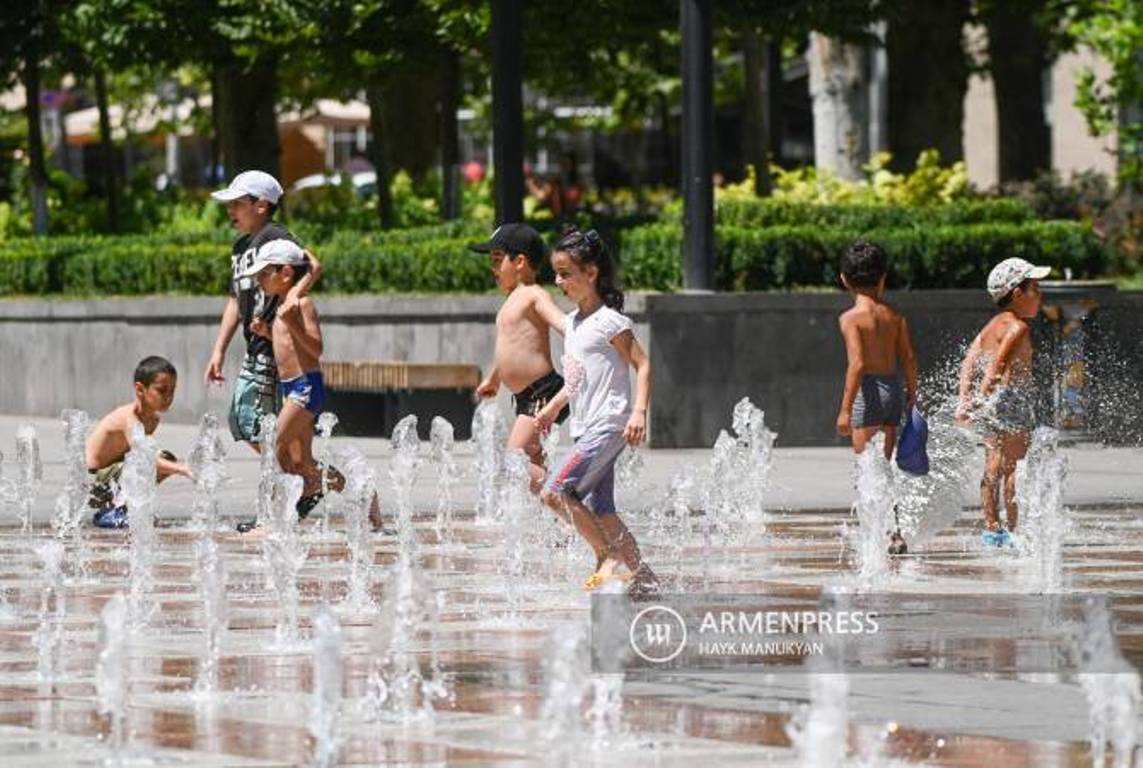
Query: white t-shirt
{"x": 596, "y": 375}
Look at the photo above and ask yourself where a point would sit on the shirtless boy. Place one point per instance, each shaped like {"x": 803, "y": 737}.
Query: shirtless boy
{"x": 1001, "y": 357}
{"x": 523, "y": 358}
{"x": 110, "y": 441}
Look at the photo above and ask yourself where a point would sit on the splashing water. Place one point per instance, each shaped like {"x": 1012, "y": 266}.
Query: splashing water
{"x": 1111, "y": 686}
{"x": 605, "y": 714}
{"x": 442, "y": 441}
{"x": 284, "y": 553}
{"x": 360, "y": 488}
{"x": 403, "y": 474}
{"x": 326, "y": 700}
{"x": 49, "y": 633}
{"x": 397, "y": 689}
{"x": 1040, "y": 480}
{"x": 268, "y": 468}
{"x": 874, "y": 508}
{"x": 488, "y": 435}
{"x": 738, "y": 479}
{"x": 819, "y": 734}
{"x": 71, "y": 503}
{"x": 137, "y": 487}
{"x": 326, "y": 421}
{"x": 207, "y": 464}
{"x": 29, "y": 473}
{"x": 518, "y": 512}
{"x": 111, "y": 670}
{"x": 211, "y": 578}
{"x": 567, "y": 682}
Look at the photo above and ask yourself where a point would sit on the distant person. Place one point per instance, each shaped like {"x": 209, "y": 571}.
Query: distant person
{"x": 251, "y": 202}
{"x": 878, "y": 351}
{"x": 600, "y": 349}
{"x": 295, "y": 333}
{"x": 996, "y": 389}
{"x": 522, "y": 359}
{"x": 109, "y": 443}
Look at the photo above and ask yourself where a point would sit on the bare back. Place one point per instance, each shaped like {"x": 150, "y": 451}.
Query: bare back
{"x": 879, "y": 331}
{"x": 523, "y": 350}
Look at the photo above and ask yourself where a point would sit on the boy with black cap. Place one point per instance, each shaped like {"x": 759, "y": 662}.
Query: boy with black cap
{"x": 1001, "y": 358}
{"x": 523, "y": 357}
{"x": 251, "y": 201}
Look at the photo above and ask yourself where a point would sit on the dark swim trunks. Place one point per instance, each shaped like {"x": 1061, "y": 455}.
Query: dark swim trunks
{"x": 532, "y": 398}
{"x": 879, "y": 402}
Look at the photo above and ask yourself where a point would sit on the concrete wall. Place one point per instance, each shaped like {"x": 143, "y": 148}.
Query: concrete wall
{"x": 81, "y": 354}
{"x": 785, "y": 352}
{"x": 708, "y": 351}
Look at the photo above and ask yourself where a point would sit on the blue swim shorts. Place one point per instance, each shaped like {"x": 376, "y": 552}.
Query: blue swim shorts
{"x": 307, "y": 390}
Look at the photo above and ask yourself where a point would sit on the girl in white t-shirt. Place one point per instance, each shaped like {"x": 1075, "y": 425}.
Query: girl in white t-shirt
{"x": 599, "y": 351}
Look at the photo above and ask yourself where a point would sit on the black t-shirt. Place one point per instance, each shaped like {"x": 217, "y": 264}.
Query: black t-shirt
{"x": 252, "y": 302}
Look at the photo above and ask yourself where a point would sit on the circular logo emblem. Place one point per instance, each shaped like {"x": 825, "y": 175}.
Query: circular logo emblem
{"x": 658, "y": 634}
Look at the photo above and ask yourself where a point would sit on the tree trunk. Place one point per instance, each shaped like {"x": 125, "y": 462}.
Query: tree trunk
{"x": 928, "y": 77}
{"x": 37, "y": 169}
{"x": 450, "y": 136}
{"x": 410, "y": 103}
{"x": 379, "y": 152}
{"x": 107, "y": 152}
{"x": 756, "y": 141}
{"x": 248, "y": 120}
{"x": 776, "y": 79}
{"x": 1018, "y": 57}
{"x": 214, "y": 177}
{"x": 841, "y": 106}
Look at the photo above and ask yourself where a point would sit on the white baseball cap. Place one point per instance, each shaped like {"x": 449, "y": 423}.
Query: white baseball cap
{"x": 1008, "y": 274}
{"x": 275, "y": 253}
{"x": 257, "y": 184}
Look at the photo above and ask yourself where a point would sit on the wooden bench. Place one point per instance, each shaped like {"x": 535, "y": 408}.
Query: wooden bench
{"x": 370, "y": 397}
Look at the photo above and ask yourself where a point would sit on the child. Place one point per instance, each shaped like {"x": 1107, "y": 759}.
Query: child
{"x": 109, "y": 442}
{"x": 876, "y": 342}
{"x": 1002, "y": 353}
{"x": 523, "y": 359}
{"x": 251, "y": 201}
{"x": 600, "y": 348}
{"x": 278, "y": 267}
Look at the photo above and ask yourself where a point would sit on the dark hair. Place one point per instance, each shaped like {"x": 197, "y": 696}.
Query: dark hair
{"x": 864, "y": 264}
{"x": 1006, "y": 299}
{"x": 299, "y": 270}
{"x": 588, "y": 248}
{"x": 150, "y": 367}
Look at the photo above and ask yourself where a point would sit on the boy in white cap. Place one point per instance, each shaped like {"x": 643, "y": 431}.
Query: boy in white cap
{"x": 1001, "y": 357}
{"x": 251, "y": 201}
{"x": 295, "y": 333}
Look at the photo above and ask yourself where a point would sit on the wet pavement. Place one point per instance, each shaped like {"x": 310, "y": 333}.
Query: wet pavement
{"x": 500, "y": 606}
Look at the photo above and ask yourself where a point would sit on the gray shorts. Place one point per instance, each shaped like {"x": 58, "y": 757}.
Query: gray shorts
{"x": 255, "y": 395}
{"x": 588, "y": 474}
{"x": 879, "y": 402}
{"x": 1009, "y": 409}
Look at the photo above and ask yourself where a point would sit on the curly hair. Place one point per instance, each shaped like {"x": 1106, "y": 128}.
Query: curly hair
{"x": 864, "y": 264}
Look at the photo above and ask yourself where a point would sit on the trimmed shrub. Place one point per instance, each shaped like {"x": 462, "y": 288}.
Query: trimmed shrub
{"x": 436, "y": 258}
{"x": 939, "y": 256}
{"x": 863, "y": 217}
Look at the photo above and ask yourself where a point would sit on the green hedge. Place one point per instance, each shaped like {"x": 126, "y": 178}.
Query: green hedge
{"x": 939, "y": 256}
{"x": 436, "y": 259}
{"x": 860, "y": 218}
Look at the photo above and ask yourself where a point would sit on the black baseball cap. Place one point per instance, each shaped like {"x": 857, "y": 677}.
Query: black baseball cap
{"x": 515, "y": 238}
